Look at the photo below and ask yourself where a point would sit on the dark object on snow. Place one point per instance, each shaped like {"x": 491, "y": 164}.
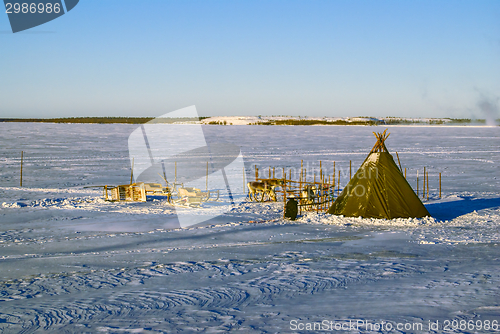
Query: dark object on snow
{"x": 291, "y": 209}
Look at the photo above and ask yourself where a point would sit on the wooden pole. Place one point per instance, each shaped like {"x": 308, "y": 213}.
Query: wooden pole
{"x": 269, "y": 171}
{"x": 417, "y": 182}
{"x": 132, "y": 172}
{"x": 334, "y": 176}
{"x": 427, "y": 184}
{"x": 350, "y": 169}
{"x": 439, "y": 185}
{"x": 284, "y": 192}
{"x": 405, "y": 172}
{"x": 300, "y": 179}
{"x": 329, "y": 186}
{"x": 22, "y": 159}
{"x": 322, "y": 194}
{"x": 256, "y": 172}
{"x": 273, "y": 173}
{"x": 320, "y": 171}
{"x": 338, "y": 186}
{"x": 299, "y": 199}
{"x": 301, "y": 174}
{"x": 21, "y": 178}
{"x": 423, "y": 189}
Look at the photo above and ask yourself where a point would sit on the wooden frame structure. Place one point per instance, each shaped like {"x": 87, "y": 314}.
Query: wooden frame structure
{"x": 319, "y": 194}
{"x": 316, "y": 195}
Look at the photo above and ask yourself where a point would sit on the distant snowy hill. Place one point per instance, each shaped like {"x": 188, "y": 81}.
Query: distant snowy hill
{"x": 298, "y": 120}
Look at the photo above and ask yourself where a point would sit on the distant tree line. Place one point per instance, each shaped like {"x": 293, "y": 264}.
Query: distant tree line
{"x": 219, "y": 123}
{"x": 102, "y": 120}
{"x": 289, "y": 121}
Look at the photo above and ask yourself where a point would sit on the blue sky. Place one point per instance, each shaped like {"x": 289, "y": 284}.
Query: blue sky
{"x": 317, "y": 58}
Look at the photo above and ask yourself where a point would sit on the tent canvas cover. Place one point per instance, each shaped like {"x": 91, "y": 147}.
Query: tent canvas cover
{"x": 379, "y": 189}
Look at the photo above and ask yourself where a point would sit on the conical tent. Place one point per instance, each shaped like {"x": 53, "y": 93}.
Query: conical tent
{"x": 379, "y": 189}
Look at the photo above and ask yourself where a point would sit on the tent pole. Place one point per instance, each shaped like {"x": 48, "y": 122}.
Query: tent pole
{"x": 405, "y": 172}
{"x": 350, "y": 169}
{"x": 399, "y": 162}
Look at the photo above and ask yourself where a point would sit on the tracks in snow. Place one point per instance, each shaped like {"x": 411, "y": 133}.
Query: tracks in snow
{"x": 61, "y": 301}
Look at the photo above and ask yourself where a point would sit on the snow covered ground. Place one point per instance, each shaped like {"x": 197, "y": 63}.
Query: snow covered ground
{"x": 73, "y": 263}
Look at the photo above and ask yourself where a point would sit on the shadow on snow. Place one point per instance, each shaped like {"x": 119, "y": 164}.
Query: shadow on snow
{"x": 460, "y": 207}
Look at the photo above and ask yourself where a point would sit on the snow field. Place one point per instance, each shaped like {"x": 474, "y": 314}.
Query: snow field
{"x": 71, "y": 262}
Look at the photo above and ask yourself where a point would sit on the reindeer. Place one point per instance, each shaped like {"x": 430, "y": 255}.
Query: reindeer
{"x": 265, "y": 187}
{"x": 309, "y": 193}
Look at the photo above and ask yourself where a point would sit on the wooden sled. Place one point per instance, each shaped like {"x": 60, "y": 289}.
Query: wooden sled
{"x": 135, "y": 192}
{"x": 192, "y": 197}
{"x": 156, "y": 189}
